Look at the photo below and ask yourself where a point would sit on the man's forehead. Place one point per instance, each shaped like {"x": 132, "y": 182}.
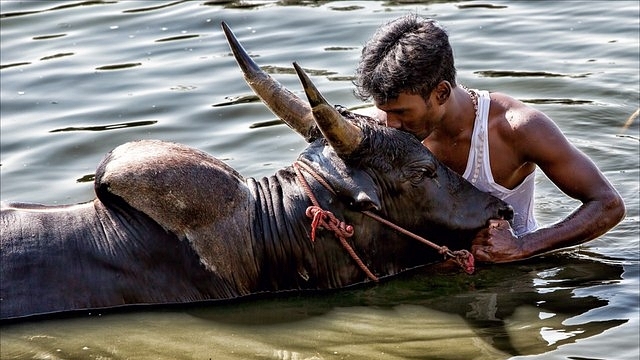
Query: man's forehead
{"x": 384, "y": 104}
{"x": 402, "y": 102}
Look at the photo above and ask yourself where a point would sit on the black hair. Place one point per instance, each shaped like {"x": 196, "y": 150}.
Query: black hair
{"x": 409, "y": 54}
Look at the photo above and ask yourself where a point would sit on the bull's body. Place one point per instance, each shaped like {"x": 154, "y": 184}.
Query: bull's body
{"x": 66, "y": 260}
{"x": 171, "y": 224}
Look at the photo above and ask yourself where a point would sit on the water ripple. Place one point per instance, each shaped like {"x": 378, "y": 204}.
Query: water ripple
{"x": 508, "y": 73}
{"x": 238, "y": 100}
{"x": 59, "y": 55}
{"x": 14, "y": 64}
{"x": 86, "y": 178}
{"x": 484, "y": 6}
{"x": 105, "y": 127}
{"x": 237, "y": 4}
{"x": 118, "y": 66}
{"x": 60, "y": 7}
{"x": 269, "y": 69}
{"x": 557, "y": 101}
{"x": 46, "y": 37}
{"x": 179, "y": 37}
{"x": 152, "y": 8}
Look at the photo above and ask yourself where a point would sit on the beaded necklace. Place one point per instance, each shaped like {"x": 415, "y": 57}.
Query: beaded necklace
{"x": 474, "y": 98}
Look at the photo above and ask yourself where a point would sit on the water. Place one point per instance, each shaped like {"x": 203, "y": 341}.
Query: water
{"x": 79, "y": 78}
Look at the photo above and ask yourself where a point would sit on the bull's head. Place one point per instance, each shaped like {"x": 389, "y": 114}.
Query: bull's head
{"x": 373, "y": 167}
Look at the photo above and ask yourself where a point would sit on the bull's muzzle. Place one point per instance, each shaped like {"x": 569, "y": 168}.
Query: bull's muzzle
{"x": 506, "y": 213}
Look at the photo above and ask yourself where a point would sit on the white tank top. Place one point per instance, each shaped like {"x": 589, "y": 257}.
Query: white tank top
{"x": 478, "y": 172}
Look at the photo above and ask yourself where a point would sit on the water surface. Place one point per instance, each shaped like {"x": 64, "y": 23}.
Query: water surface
{"x": 79, "y": 78}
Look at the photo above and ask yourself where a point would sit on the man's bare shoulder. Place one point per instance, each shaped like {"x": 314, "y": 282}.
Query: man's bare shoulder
{"x": 514, "y": 118}
{"x": 530, "y": 133}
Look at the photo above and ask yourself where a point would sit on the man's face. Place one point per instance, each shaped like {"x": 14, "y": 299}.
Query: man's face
{"x": 411, "y": 113}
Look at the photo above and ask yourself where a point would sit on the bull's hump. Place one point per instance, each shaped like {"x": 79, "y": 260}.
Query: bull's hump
{"x": 181, "y": 188}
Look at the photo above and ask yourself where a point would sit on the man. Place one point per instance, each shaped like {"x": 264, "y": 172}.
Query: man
{"x": 492, "y": 139}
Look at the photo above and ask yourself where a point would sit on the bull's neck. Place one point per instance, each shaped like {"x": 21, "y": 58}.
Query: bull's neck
{"x": 281, "y": 237}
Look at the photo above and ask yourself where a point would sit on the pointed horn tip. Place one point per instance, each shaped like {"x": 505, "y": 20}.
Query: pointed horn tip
{"x": 343, "y": 136}
{"x": 243, "y": 59}
{"x": 233, "y": 42}
{"x": 227, "y": 30}
{"x": 313, "y": 94}
{"x": 304, "y": 78}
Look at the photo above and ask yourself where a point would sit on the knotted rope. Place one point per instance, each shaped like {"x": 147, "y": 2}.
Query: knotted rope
{"x": 462, "y": 257}
{"x": 326, "y": 219}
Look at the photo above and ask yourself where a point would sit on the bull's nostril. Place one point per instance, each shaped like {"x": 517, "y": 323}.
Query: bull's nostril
{"x": 506, "y": 213}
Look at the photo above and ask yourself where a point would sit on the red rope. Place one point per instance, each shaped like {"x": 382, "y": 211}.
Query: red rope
{"x": 319, "y": 218}
{"x": 326, "y": 219}
{"x": 462, "y": 257}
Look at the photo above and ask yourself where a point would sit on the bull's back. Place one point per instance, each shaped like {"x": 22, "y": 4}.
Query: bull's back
{"x": 94, "y": 256}
{"x": 39, "y": 256}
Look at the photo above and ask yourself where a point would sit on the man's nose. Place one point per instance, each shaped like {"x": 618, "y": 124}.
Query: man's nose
{"x": 393, "y": 121}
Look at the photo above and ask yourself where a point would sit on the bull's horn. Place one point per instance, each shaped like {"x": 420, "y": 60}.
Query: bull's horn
{"x": 283, "y": 103}
{"x": 343, "y": 136}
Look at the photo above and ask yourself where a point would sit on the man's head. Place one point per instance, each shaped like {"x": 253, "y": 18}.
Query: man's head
{"x": 410, "y": 54}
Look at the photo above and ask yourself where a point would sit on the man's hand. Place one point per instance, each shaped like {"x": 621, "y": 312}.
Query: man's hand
{"x": 497, "y": 243}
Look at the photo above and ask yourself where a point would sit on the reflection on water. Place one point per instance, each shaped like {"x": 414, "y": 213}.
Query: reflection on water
{"x": 530, "y": 308}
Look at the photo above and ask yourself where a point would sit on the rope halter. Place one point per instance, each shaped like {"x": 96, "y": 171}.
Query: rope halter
{"x": 325, "y": 219}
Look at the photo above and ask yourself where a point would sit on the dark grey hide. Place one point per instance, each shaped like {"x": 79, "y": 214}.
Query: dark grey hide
{"x": 172, "y": 224}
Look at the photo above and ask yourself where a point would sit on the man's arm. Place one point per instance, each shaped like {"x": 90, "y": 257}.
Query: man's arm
{"x": 540, "y": 141}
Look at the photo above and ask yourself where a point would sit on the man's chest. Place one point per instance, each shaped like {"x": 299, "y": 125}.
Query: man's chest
{"x": 453, "y": 154}
{"x": 504, "y": 166}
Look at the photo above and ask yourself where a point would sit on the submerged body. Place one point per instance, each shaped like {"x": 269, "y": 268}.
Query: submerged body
{"x": 163, "y": 231}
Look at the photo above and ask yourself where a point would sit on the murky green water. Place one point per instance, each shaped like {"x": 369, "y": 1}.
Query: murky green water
{"x": 79, "y": 78}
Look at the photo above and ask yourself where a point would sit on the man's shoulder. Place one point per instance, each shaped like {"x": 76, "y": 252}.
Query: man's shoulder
{"x": 511, "y": 114}
{"x": 521, "y": 126}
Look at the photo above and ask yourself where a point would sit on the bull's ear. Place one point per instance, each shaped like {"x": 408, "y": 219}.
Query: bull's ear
{"x": 359, "y": 193}
{"x": 365, "y": 201}
{"x": 294, "y": 111}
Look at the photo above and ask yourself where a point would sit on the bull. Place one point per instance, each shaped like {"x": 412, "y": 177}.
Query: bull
{"x": 171, "y": 224}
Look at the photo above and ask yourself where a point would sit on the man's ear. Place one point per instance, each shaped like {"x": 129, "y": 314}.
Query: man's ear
{"x": 443, "y": 91}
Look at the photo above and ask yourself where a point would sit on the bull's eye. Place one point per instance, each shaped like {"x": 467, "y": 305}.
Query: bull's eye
{"x": 419, "y": 174}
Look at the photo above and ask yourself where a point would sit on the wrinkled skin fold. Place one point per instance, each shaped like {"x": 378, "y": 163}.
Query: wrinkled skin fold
{"x": 172, "y": 224}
